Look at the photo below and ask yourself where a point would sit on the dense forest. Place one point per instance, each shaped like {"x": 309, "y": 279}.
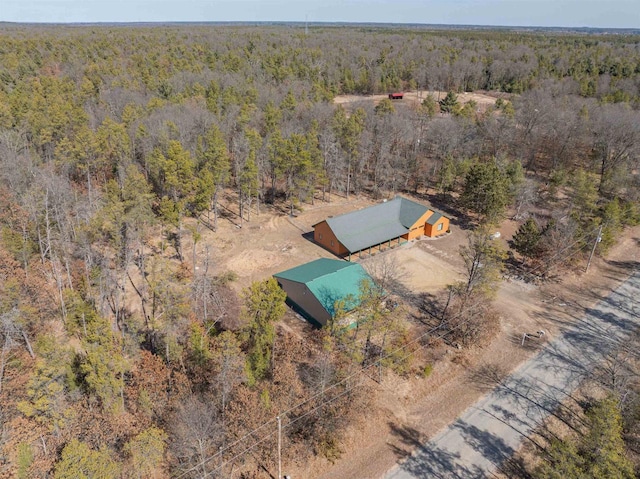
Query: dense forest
{"x": 120, "y": 359}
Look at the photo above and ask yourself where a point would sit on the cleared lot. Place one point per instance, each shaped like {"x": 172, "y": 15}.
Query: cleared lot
{"x": 418, "y": 270}
{"x": 483, "y": 101}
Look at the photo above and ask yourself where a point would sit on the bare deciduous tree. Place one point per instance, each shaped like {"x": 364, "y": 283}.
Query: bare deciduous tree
{"x": 197, "y": 434}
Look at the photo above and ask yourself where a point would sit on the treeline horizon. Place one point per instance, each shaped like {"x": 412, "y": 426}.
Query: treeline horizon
{"x": 315, "y": 25}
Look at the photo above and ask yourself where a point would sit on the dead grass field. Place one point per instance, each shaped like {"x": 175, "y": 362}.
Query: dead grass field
{"x": 483, "y": 100}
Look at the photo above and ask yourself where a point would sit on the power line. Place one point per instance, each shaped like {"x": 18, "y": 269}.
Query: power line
{"x": 324, "y": 403}
{"x": 321, "y": 405}
{"x": 532, "y": 271}
{"x": 362, "y": 370}
{"x": 265, "y": 438}
{"x": 240, "y": 454}
{"x": 235, "y": 443}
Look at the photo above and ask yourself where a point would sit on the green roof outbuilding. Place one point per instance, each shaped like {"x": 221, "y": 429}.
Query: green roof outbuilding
{"x": 313, "y": 288}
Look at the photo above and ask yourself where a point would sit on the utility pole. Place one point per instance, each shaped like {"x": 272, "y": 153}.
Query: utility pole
{"x": 279, "y": 447}
{"x": 598, "y": 239}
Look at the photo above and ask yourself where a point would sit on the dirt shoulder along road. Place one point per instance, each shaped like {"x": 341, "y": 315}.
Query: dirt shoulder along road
{"x": 491, "y": 431}
{"x": 414, "y": 411}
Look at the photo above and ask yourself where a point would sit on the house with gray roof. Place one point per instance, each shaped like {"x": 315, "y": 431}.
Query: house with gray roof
{"x": 385, "y": 224}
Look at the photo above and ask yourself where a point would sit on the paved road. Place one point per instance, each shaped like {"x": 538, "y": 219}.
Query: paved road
{"x": 491, "y": 430}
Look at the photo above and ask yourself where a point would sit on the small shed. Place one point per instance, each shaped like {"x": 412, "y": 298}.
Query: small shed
{"x": 314, "y": 288}
{"x": 396, "y": 96}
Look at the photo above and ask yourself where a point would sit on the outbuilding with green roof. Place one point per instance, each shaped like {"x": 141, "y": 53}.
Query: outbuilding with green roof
{"x": 314, "y": 288}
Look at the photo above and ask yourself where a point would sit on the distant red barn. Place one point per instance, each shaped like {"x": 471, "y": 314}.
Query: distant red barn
{"x": 396, "y": 96}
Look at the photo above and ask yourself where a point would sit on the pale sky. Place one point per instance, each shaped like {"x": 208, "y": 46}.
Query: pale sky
{"x": 567, "y": 13}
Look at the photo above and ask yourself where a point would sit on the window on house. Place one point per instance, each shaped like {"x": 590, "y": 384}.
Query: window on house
{"x": 440, "y": 226}
{"x": 331, "y": 242}
{"x": 320, "y": 236}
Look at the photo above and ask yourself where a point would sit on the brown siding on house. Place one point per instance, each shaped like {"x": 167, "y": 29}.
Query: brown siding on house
{"x": 414, "y": 233}
{"x": 423, "y": 219}
{"x": 435, "y": 229}
{"x": 323, "y": 235}
{"x": 418, "y": 228}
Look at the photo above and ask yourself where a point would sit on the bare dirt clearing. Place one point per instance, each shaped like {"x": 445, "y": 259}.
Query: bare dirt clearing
{"x": 273, "y": 241}
{"x": 422, "y": 270}
{"x": 416, "y": 97}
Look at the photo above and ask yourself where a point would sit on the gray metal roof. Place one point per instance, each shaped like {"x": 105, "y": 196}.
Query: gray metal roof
{"x": 376, "y": 224}
{"x": 410, "y": 212}
{"x": 433, "y": 218}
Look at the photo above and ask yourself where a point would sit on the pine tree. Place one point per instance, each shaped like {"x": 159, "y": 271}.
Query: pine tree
{"x": 602, "y": 446}
{"x": 429, "y": 106}
{"x": 486, "y": 191}
{"x": 46, "y": 390}
{"x": 296, "y": 166}
{"x": 348, "y": 130}
{"x": 288, "y": 103}
{"x": 113, "y": 146}
{"x": 247, "y": 181}
{"x": 449, "y": 103}
{"x": 101, "y": 367}
{"x": 173, "y": 175}
{"x": 271, "y": 119}
{"x": 147, "y": 451}
{"x": 526, "y": 239}
{"x": 598, "y": 453}
{"x": 264, "y": 305}
{"x": 612, "y": 217}
{"x": 447, "y": 175}
{"x": 214, "y": 169}
{"x": 584, "y": 197}
{"x": 562, "y": 462}
{"x": 385, "y": 107}
{"x": 79, "y": 461}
